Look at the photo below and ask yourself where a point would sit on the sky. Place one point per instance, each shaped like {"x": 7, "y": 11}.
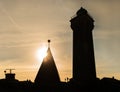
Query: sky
{"x": 26, "y": 25}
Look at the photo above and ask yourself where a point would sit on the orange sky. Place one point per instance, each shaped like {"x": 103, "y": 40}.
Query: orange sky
{"x": 26, "y": 25}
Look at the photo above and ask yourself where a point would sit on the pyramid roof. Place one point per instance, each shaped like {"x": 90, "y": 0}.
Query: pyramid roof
{"x": 47, "y": 73}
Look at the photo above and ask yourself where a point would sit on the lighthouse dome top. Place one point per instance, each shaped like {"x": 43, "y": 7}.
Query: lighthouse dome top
{"x": 81, "y": 11}
{"x": 82, "y": 21}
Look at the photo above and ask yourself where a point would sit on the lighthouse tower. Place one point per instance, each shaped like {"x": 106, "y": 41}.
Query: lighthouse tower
{"x": 83, "y": 50}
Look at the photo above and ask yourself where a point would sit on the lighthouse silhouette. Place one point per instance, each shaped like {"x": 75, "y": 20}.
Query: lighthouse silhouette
{"x": 83, "y": 50}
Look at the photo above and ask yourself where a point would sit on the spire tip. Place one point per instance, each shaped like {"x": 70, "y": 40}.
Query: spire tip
{"x": 49, "y": 43}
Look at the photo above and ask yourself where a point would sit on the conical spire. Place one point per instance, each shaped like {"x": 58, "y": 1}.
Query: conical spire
{"x": 47, "y": 74}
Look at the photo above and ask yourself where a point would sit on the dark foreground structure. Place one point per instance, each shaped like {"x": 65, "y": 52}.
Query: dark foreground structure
{"x": 84, "y": 73}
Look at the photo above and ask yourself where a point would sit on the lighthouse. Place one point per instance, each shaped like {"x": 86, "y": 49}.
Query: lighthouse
{"x": 83, "y": 50}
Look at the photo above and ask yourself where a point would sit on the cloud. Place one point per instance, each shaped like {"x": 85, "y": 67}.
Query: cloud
{"x": 26, "y": 24}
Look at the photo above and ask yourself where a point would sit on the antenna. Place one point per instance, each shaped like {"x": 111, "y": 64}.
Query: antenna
{"x": 9, "y": 70}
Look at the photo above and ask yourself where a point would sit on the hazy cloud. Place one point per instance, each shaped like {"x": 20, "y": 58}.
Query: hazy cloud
{"x": 26, "y": 24}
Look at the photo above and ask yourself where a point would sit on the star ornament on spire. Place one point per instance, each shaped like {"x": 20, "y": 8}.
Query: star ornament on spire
{"x": 42, "y": 52}
{"x": 49, "y": 43}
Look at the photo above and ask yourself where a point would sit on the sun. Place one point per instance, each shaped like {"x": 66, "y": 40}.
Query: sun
{"x": 41, "y": 53}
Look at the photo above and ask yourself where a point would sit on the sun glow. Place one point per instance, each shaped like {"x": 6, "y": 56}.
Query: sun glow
{"x": 41, "y": 53}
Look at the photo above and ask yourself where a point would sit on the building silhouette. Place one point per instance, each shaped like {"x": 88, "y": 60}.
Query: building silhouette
{"x": 47, "y": 74}
{"x": 10, "y": 75}
{"x": 83, "y": 51}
